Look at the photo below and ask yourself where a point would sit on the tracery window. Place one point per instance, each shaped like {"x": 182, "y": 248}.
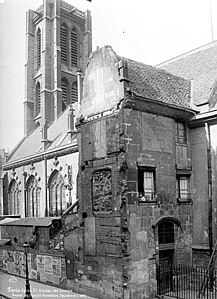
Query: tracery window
{"x": 57, "y": 198}
{"x": 14, "y": 198}
{"x": 33, "y": 197}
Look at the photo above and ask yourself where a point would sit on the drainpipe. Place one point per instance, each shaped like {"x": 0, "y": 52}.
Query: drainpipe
{"x": 25, "y": 193}
{"x": 45, "y": 185}
{"x": 209, "y": 164}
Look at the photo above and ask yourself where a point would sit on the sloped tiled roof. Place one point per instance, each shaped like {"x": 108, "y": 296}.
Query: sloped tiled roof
{"x": 199, "y": 65}
{"x": 158, "y": 85}
{"x": 31, "y": 145}
{"x": 31, "y": 221}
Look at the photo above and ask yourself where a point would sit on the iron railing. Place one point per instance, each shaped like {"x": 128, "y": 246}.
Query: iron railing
{"x": 186, "y": 282}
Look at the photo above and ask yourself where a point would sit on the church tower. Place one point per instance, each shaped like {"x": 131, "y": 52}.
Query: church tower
{"x": 58, "y": 44}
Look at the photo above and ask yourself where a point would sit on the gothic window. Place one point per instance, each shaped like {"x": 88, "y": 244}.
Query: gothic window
{"x": 183, "y": 187}
{"x": 74, "y": 48}
{"x": 39, "y": 48}
{"x": 65, "y": 93}
{"x": 64, "y": 44}
{"x": 74, "y": 92}
{"x": 181, "y": 133}
{"x": 57, "y": 198}
{"x": 38, "y": 98}
{"x": 33, "y": 197}
{"x": 146, "y": 183}
{"x": 166, "y": 232}
{"x": 14, "y": 198}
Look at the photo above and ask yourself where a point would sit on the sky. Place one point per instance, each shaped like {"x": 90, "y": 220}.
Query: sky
{"x": 150, "y": 31}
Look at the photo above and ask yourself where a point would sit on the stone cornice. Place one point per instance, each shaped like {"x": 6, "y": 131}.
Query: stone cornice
{"x": 41, "y": 156}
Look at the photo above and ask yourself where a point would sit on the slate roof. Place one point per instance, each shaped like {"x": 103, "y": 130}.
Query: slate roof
{"x": 158, "y": 85}
{"x": 31, "y": 145}
{"x": 31, "y": 221}
{"x": 199, "y": 65}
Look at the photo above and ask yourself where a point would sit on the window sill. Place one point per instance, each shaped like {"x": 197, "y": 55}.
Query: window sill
{"x": 140, "y": 201}
{"x": 184, "y": 201}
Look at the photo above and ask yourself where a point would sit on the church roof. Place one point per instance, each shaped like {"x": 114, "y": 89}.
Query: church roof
{"x": 158, "y": 85}
{"x": 199, "y": 65}
{"x": 57, "y": 138}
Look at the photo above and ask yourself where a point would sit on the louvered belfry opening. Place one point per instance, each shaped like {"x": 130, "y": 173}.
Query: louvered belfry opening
{"x": 74, "y": 48}
{"x": 39, "y": 48}
{"x": 38, "y": 97}
{"x": 64, "y": 87}
{"x": 64, "y": 43}
{"x": 74, "y": 92}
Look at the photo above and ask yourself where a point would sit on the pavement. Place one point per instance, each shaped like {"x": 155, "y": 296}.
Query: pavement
{"x": 12, "y": 287}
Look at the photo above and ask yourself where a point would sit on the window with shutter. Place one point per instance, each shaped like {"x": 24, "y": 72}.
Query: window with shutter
{"x": 74, "y": 48}
{"x": 146, "y": 184}
{"x": 64, "y": 87}
{"x": 39, "y": 48}
{"x": 64, "y": 44}
{"x": 38, "y": 98}
{"x": 74, "y": 92}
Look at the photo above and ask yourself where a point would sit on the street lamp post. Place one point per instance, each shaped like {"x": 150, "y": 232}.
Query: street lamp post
{"x": 28, "y": 294}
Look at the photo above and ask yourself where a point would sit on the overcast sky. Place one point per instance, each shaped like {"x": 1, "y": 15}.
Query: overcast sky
{"x": 151, "y": 31}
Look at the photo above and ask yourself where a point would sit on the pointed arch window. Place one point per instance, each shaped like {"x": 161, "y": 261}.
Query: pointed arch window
{"x": 33, "y": 197}
{"x": 74, "y": 92}
{"x": 65, "y": 92}
{"x": 38, "y": 98}
{"x": 14, "y": 198}
{"x": 74, "y": 48}
{"x": 39, "y": 47}
{"x": 57, "y": 198}
{"x": 64, "y": 43}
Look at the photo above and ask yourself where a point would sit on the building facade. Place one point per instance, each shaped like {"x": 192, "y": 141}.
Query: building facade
{"x": 116, "y": 173}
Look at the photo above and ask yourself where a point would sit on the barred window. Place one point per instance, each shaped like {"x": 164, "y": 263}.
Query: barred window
{"x": 74, "y": 92}
{"x": 74, "y": 48}
{"x": 181, "y": 136}
{"x": 64, "y": 44}
{"x": 39, "y": 48}
{"x": 146, "y": 184}
{"x": 166, "y": 232}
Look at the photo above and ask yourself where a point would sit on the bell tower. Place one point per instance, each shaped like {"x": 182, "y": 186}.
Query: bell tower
{"x": 58, "y": 44}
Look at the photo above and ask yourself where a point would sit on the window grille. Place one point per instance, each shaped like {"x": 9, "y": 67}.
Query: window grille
{"x": 166, "y": 233}
{"x": 74, "y": 48}
{"x": 39, "y": 48}
{"x": 74, "y": 92}
{"x": 64, "y": 44}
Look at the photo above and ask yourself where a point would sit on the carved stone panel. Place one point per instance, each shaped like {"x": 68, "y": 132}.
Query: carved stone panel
{"x": 102, "y": 191}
